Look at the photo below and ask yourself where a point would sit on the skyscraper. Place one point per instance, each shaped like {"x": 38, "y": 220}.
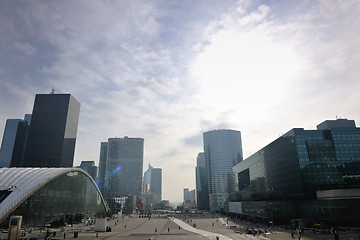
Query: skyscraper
{"x": 222, "y": 149}
{"x": 102, "y": 166}
{"x": 189, "y": 198}
{"x": 202, "y": 191}
{"x": 90, "y": 167}
{"x": 124, "y": 167}
{"x": 52, "y": 133}
{"x": 152, "y": 182}
{"x": 13, "y": 143}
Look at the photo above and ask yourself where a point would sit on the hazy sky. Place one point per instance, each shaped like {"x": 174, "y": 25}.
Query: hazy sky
{"x": 167, "y": 71}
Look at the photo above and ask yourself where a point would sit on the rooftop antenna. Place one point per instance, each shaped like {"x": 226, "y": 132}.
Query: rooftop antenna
{"x": 52, "y": 90}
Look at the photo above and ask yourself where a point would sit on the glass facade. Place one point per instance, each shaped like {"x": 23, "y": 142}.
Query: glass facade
{"x": 124, "y": 168}
{"x": 202, "y": 191}
{"x": 153, "y": 183}
{"x": 282, "y": 180}
{"x": 13, "y": 143}
{"x": 222, "y": 149}
{"x": 66, "y": 199}
{"x": 53, "y": 130}
{"x": 102, "y": 166}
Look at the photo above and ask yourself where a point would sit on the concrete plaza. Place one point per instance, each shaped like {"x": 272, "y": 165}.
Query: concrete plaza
{"x": 181, "y": 227}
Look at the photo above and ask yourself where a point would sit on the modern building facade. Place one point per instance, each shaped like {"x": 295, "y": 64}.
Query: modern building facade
{"x": 102, "y": 166}
{"x": 13, "y": 142}
{"x": 189, "y": 198}
{"x": 53, "y": 130}
{"x": 124, "y": 168}
{"x": 153, "y": 183}
{"x": 202, "y": 191}
{"x": 55, "y": 196}
{"x": 223, "y": 150}
{"x": 89, "y": 167}
{"x": 304, "y": 174}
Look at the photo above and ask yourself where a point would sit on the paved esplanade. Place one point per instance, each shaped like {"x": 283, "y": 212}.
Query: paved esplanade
{"x": 163, "y": 228}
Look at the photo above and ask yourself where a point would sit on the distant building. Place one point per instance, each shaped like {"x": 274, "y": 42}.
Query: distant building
{"x": 202, "y": 191}
{"x": 148, "y": 200}
{"x": 338, "y": 123}
{"x": 102, "y": 166}
{"x": 223, "y": 150}
{"x": 28, "y": 118}
{"x": 152, "y": 182}
{"x": 89, "y": 166}
{"x": 13, "y": 142}
{"x": 312, "y": 175}
{"x": 164, "y": 204}
{"x": 189, "y": 198}
{"x": 53, "y": 130}
{"x": 124, "y": 167}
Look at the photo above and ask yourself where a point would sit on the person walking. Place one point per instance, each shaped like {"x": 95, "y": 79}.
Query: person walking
{"x": 299, "y": 234}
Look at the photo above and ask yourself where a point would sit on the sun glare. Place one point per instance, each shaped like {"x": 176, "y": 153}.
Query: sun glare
{"x": 250, "y": 67}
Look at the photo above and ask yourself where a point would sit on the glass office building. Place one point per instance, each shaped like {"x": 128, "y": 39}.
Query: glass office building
{"x": 222, "y": 149}
{"x": 48, "y": 196}
{"x": 304, "y": 174}
{"x": 52, "y": 133}
{"x": 13, "y": 142}
{"x": 202, "y": 191}
{"x": 124, "y": 168}
{"x": 153, "y": 183}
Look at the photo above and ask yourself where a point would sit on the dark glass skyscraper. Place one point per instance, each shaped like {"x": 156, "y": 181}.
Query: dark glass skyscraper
{"x": 102, "y": 166}
{"x": 52, "y": 133}
{"x": 13, "y": 143}
{"x": 202, "y": 191}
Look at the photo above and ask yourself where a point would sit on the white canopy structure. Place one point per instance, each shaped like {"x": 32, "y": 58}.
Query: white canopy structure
{"x": 20, "y": 183}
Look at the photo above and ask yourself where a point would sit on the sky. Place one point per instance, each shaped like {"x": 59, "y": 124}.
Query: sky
{"x": 167, "y": 71}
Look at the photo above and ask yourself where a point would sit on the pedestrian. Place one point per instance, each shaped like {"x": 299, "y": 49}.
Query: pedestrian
{"x": 292, "y": 235}
{"x": 125, "y": 226}
{"x": 179, "y": 228}
{"x": 155, "y": 229}
{"x": 168, "y": 229}
{"x": 299, "y": 234}
{"x": 64, "y": 235}
{"x": 97, "y": 234}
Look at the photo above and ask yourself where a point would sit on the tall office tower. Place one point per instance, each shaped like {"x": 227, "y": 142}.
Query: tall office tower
{"x": 13, "y": 143}
{"x": 124, "y": 167}
{"x": 202, "y": 191}
{"x": 52, "y": 133}
{"x": 222, "y": 149}
{"x": 89, "y": 166}
{"x": 152, "y": 182}
{"x": 102, "y": 166}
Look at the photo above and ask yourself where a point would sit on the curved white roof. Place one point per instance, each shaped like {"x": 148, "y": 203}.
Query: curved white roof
{"x": 23, "y": 182}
